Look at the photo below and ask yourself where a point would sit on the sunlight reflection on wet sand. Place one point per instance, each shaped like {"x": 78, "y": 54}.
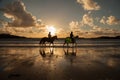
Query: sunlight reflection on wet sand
{"x": 89, "y": 63}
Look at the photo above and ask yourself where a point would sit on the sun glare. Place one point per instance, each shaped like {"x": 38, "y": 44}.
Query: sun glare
{"x": 51, "y": 29}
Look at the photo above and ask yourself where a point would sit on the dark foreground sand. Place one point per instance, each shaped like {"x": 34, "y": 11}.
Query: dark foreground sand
{"x": 90, "y": 63}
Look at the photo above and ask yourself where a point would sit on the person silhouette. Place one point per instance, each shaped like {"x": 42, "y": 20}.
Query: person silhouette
{"x": 49, "y": 35}
{"x": 70, "y": 54}
{"x": 42, "y": 52}
{"x": 71, "y": 35}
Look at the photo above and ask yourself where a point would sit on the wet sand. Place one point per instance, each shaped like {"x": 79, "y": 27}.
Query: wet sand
{"x": 82, "y": 63}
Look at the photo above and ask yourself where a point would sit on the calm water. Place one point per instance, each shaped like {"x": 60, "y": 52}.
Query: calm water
{"x": 59, "y": 42}
{"x": 22, "y": 63}
{"x": 81, "y": 63}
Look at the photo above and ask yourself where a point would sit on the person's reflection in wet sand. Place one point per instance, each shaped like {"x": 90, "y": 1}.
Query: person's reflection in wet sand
{"x": 42, "y": 52}
{"x": 46, "y": 53}
{"x": 70, "y": 54}
{"x": 51, "y": 51}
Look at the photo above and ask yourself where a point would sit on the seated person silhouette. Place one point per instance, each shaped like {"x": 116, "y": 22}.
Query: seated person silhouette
{"x": 49, "y": 36}
{"x": 68, "y": 52}
{"x": 71, "y": 36}
{"x": 44, "y": 54}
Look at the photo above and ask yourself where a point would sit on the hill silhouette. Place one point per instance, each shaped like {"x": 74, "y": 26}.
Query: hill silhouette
{"x": 14, "y": 36}
{"x": 10, "y": 36}
{"x": 107, "y": 37}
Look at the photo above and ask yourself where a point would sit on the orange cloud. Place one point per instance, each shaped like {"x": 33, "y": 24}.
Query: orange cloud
{"x": 95, "y": 30}
{"x": 87, "y": 19}
{"x": 89, "y": 4}
{"x": 111, "y": 20}
{"x": 103, "y": 20}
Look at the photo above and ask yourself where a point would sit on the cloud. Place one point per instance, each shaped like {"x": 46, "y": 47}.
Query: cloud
{"x": 25, "y": 31}
{"x": 1, "y": 21}
{"x": 74, "y": 25}
{"x": 62, "y": 33}
{"x": 22, "y": 22}
{"x": 79, "y": 27}
{"x": 105, "y": 32}
{"x": 111, "y": 20}
{"x": 19, "y": 15}
{"x": 87, "y": 19}
{"x": 93, "y": 30}
{"x": 103, "y": 20}
{"x": 89, "y": 4}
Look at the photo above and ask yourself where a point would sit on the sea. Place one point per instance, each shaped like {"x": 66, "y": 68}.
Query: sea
{"x": 91, "y": 59}
{"x": 60, "y": 42}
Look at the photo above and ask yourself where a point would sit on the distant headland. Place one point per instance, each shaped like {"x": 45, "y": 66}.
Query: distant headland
{"x": 9, "y": 36}
{"x": 5, "y": 36}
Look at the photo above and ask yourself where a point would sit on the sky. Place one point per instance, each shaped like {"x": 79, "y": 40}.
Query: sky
{"x": 35, "y": 18}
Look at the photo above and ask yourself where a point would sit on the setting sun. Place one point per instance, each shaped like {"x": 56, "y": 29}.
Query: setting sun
{"x": 51, "y": 29}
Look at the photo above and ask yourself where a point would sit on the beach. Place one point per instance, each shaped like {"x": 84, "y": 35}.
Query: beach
{"x": 58, "y": 63}
{"x": 59, "y": 40}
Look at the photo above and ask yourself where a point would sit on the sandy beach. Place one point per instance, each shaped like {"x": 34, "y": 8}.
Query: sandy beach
{"x": 59, "y": 39}
{"x": 29, "y": 63}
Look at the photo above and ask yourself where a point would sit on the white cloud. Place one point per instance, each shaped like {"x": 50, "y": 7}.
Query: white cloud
{"x": 95, "y": 30}
{"x": 111, "y": 20}
{"x": 89, "y": 4}
{"x": 74, "y": 25}
{"x": 103, "y": 20}
{"x": 87, "y": 19}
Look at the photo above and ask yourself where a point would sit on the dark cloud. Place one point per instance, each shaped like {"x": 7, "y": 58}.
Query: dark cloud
{"x": 17, "y": 12}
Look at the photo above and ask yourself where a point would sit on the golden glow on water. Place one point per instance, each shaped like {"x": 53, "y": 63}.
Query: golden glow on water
{"x": 111, "y": 63}
{"x": 58, "y": 61}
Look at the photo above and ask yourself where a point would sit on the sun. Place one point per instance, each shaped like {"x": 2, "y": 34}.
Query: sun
{"x": 51, "y": 29}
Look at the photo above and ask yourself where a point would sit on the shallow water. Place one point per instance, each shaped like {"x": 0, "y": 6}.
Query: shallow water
{"x": 81, "y": 63}
{"x": 59, "y": 43}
